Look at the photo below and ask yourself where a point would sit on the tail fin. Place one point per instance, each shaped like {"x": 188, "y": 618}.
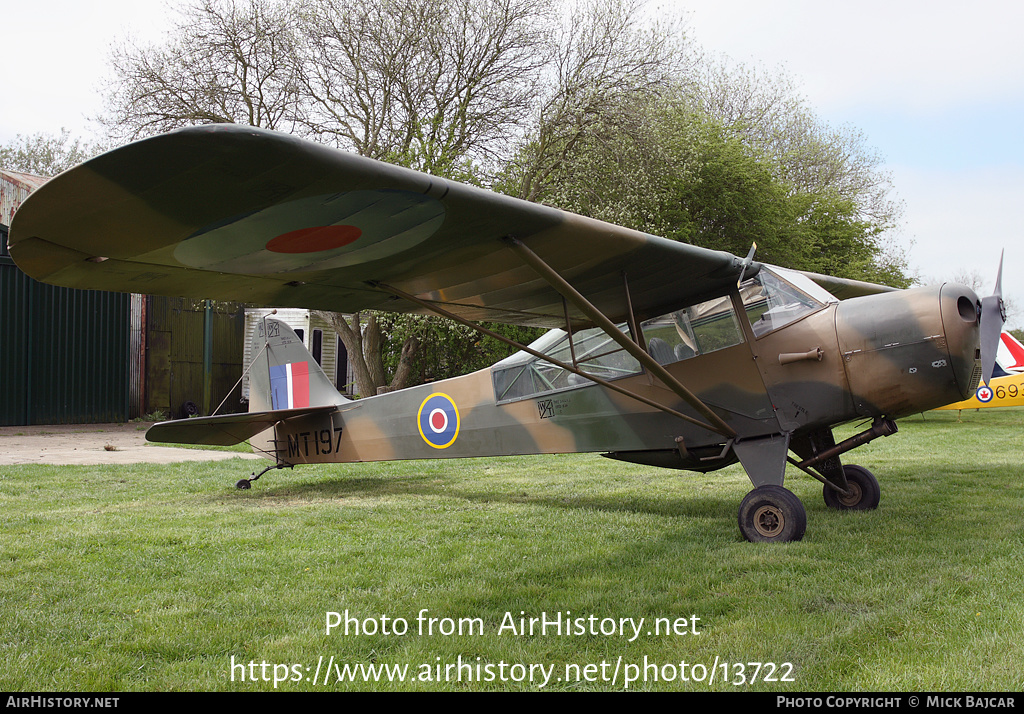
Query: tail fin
{"x": 283, "y": 374}
{"x": 1011, "y": 353}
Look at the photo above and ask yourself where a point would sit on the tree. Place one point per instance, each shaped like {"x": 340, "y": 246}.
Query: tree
{"x": 447, "y": 88}
{"x": 446, "y": 348}
{"x": 589, "y": 106}
{"x": 433, "y": 86}
{"x": 223, "y": 62}
{"x": 605, "y": 57}
{"x": 420, "y": 83}
{"x": 720, "y": 180}
{"x": 44, "y": 154}
{"x": 831, "y": 169}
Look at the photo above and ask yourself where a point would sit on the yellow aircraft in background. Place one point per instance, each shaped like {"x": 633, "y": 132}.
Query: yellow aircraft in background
{"x": 1006, "y": 388}
{"x": 1007, "y": 391}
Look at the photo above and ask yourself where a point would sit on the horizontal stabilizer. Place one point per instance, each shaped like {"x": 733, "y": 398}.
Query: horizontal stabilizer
{"x": 225, "y": 429}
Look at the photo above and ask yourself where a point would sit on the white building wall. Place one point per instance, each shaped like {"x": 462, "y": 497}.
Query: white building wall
{"x": 304, "y": 323}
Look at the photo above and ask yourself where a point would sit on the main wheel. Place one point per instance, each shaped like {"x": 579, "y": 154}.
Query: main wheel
{"x": 863, "y": 487}
{"x": 772, "y": 514}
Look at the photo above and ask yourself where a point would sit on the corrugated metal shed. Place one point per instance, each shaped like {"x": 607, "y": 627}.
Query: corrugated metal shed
{"x": 64, "y": 354}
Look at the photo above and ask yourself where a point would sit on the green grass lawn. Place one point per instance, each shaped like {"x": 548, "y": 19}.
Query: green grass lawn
{"x": 160, "y": 577}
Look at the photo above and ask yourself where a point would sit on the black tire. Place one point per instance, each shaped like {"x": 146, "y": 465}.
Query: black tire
{"x": 772, "y": 514}
{"x": 864, "y": 491}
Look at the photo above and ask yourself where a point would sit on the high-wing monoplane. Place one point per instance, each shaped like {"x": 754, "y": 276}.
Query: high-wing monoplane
{"x": 659, "y": 353}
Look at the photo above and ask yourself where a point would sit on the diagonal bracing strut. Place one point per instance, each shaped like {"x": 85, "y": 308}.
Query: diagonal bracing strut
{"x": 601, "y": 320}
{"x": 540, "y": 355}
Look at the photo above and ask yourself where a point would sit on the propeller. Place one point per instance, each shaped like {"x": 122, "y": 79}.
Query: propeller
{"x": 993, "y": 315}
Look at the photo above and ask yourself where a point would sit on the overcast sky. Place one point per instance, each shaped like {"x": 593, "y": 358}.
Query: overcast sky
{"x": 937, "y": 87}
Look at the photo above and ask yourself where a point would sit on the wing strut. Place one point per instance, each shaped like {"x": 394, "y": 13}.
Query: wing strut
{"x": 601, "y": 320}
{"x": 558, "y": 363}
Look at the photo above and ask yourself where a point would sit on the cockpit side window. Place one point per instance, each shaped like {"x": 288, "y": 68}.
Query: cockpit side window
{"x": 522, "y": 375}
{"x": 772, "y": 302}
{"x": 695, "y": 330}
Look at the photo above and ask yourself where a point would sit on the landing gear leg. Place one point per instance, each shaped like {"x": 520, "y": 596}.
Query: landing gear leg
{"x": 772, "y": 514}
{"x": 246, "y": 483}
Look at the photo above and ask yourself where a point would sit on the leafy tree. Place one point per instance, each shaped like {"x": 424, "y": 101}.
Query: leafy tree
{"x": 607, "y": 58}
{"x": 447, "y": 348}
{"x": 44, "y": 154}
{"x": 832, "y": 170}
{"x": 676, "y": 170}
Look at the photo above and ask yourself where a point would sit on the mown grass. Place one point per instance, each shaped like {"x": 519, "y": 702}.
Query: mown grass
{"x": 154, "y": 577}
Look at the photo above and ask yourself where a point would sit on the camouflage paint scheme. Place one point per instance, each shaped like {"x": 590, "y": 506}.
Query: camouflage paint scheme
{"x": 808, "y": 395}
{"x": 229, "y": 212}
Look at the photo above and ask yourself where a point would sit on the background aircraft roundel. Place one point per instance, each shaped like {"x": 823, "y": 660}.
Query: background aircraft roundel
{"x": 315, "y": 233}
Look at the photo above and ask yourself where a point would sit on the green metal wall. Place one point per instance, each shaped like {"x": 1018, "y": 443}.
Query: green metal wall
{"x": 63, "y": 353}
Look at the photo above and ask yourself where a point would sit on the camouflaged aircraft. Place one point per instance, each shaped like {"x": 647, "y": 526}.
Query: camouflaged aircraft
{"x": 659, "y": 353}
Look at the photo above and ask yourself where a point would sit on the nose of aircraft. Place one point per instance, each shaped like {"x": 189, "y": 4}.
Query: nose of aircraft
{"x": 961, "y": 311}
{"x": 909, "y": 351}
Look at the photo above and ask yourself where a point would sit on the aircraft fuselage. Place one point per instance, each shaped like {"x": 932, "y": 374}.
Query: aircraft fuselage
{"x": 885, "y": 355}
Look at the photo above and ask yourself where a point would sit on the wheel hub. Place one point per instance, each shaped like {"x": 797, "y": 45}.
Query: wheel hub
{"x": 854, "y": 494}
{"x": 769, "y": 521}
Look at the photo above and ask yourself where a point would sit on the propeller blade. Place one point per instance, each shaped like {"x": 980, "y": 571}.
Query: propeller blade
{"x": 993, "y": 315}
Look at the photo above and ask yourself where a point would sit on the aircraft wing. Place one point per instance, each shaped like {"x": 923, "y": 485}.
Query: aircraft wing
{"x": 238, "y": 213}
{"x": 844, "y": 288}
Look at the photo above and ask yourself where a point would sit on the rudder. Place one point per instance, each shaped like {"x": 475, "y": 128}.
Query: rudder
{"x": 283, "y": 374}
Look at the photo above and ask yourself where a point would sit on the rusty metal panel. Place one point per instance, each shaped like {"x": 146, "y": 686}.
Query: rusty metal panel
{"x": 15, "y": 188}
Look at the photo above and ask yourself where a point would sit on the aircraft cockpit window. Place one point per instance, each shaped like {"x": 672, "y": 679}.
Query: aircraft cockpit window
{"x": 772, "y": 302}
{"x": 522, "y": 375}
{"x": 695, "y": 330}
